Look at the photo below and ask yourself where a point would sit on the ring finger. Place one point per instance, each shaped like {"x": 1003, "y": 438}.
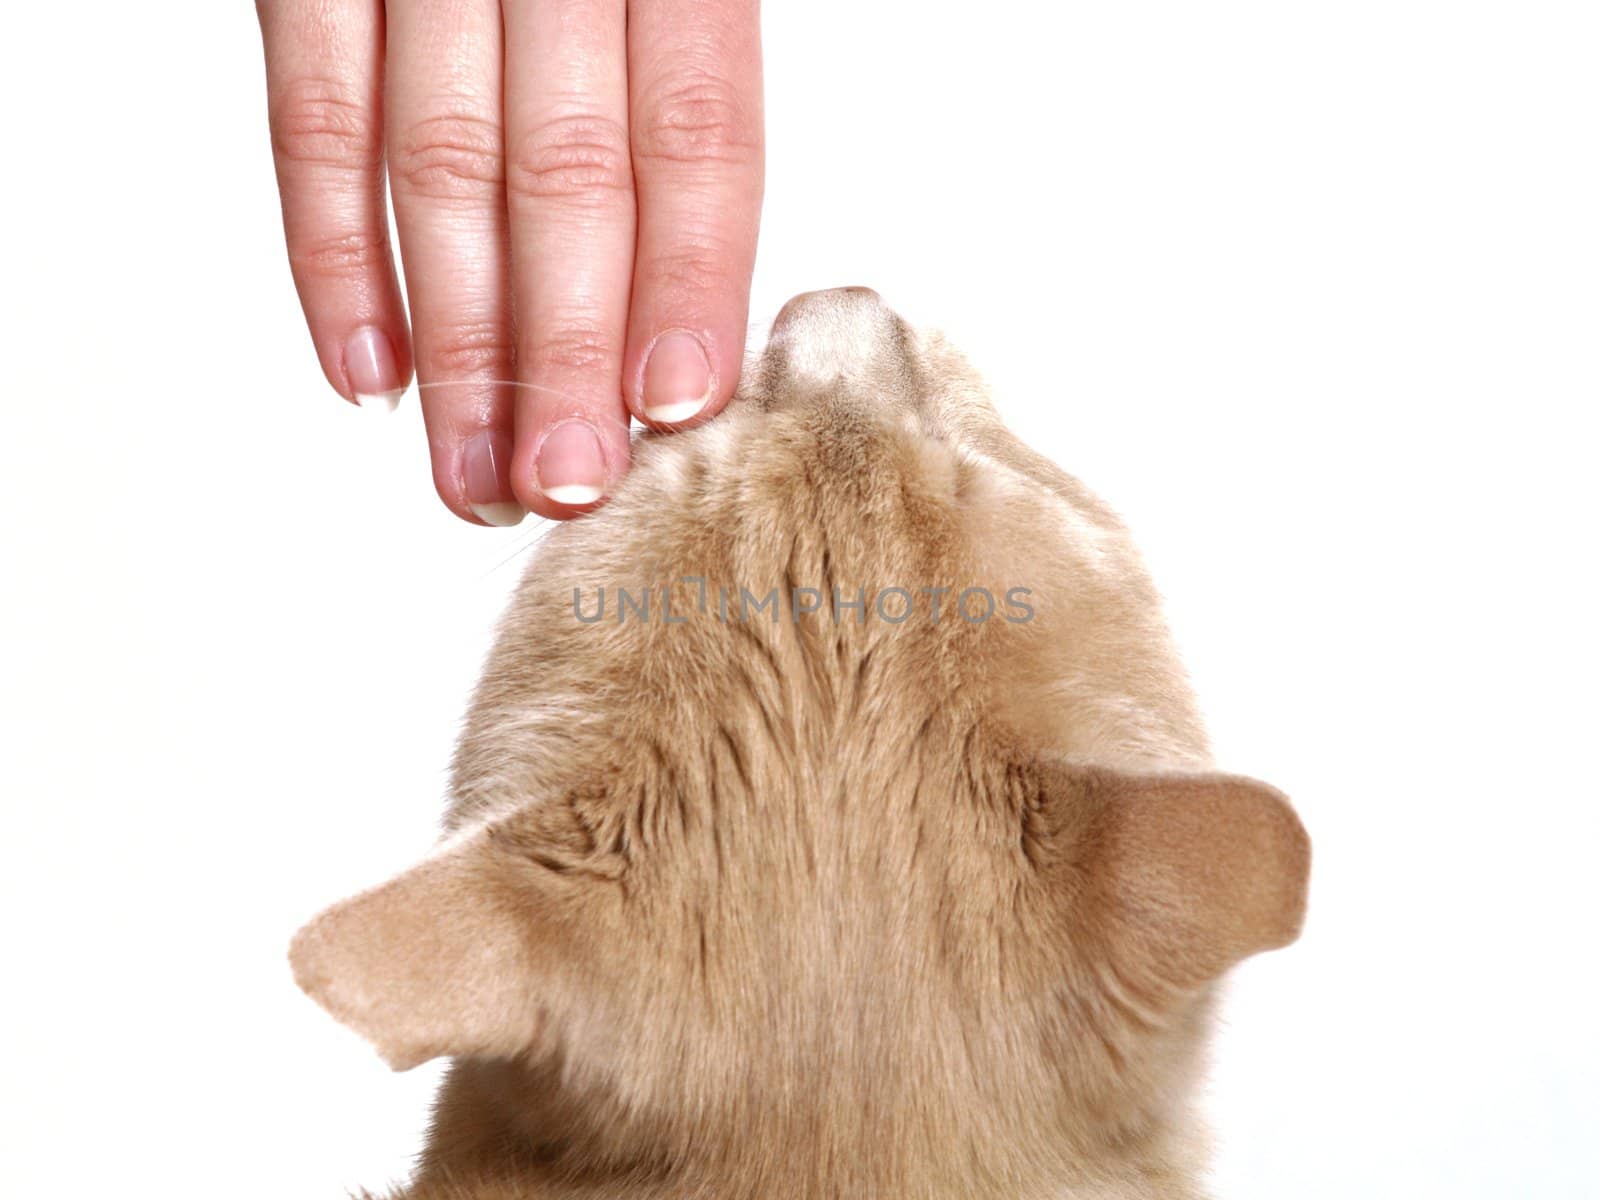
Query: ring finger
{"x": 447, "y": 172}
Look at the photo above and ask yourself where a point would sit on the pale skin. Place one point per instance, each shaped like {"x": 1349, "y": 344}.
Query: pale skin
{"x": 576, "y": 188}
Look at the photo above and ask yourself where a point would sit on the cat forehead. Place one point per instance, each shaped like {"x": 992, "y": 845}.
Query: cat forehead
{"x": 664, "y": 612}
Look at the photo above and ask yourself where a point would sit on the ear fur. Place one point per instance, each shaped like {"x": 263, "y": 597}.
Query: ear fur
{"x": 436, "y": 961}
{"x": 1193, "y": 873}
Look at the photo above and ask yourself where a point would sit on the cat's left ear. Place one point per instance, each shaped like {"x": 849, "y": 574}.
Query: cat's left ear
{"x": 449, "y": 957}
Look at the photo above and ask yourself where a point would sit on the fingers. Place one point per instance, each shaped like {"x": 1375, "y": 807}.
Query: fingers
{"x": 538, "y": 222}
{"x": 323, "y": 87}
{"x": 569, "y": 193}
{"x": 447, "y": 172}
{"x": 696, "y": 125}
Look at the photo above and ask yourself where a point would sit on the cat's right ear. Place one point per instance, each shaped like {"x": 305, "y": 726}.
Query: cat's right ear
{"x": 450, "y": 957}
{"x": 1175, "y": 876}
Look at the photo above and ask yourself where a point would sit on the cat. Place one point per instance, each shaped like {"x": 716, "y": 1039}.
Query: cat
{"x": 833, "y": 819}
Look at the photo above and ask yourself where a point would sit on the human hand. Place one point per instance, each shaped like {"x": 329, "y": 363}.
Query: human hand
{"x": 576, "y": 185}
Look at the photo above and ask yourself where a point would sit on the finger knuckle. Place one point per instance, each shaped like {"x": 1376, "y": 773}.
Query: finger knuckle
{"x": 698, "y": 120}
{"x": 340, "y": 256}
{"x": 693, "y": 270}
{"x": 571, "y": 158}
{"x": 316, "y": 122}
{"x": 578, "y": 349}
{"x": 449, "y": 156}
{"x": 468, "y": 348}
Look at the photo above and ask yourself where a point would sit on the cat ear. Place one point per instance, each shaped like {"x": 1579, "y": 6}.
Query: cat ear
{"x": 1189, "y": 874}
{"x": 439, "y": 960}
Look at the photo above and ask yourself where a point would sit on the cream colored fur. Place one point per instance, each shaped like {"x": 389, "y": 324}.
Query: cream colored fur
{"x": 825, "y": 907}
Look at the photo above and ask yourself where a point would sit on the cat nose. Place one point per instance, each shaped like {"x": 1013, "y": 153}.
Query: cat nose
{"x": 835, "y": 305}
{"x": 846, "y": 331}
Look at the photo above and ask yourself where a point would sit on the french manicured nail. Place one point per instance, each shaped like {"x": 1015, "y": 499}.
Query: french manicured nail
{"x": 486, "y": 477}
{"x": 571, "y": 466}
{"x": 677, "y": 378}
{"x": 370, "y": 367}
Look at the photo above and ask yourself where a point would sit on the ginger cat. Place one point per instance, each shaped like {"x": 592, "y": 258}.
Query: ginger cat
{"x": 867, "y": 847}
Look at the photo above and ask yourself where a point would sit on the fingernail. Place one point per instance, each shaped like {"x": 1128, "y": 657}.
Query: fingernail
{"x": 677, "y": 378}
{"x": 486, "y": 477}
{"x": 572, "y": 467}
{"x": 370, "y": 367}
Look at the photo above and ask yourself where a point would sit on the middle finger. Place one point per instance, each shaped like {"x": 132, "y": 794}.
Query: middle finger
{"x": 569, "y": 193}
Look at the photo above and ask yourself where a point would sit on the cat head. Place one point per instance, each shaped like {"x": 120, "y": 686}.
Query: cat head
{"x": 832, "y": 817}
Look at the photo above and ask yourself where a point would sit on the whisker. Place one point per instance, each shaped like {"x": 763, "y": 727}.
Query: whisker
{"x": 622, "y": 424}
{"x": 518, "y": 552}
{"x": 515, "y": 383}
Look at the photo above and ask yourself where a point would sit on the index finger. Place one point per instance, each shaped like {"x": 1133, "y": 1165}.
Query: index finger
{"x": 694, "y": 83}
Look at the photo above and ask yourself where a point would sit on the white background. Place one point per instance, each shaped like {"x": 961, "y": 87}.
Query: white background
{"x": 1310, "y": 292}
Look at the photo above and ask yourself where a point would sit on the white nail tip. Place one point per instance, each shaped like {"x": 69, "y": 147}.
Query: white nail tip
{"x": 380, "y": 401}
{"x": 574, "y": 493}
{"x": 671, "y": 414}
{"x": 504, "y": 513}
